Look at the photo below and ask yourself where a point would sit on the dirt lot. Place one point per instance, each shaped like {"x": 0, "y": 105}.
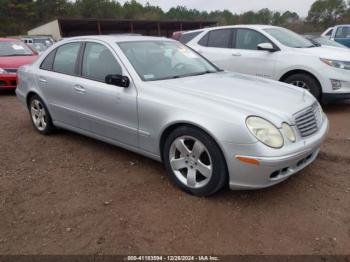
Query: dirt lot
{"x": 68, "y": 194}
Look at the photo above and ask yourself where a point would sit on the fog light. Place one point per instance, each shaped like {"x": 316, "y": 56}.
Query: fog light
{"x": 336, "y": 84}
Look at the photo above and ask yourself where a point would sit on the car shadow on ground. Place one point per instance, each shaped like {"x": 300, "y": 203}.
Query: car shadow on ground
{"x": 7, "y": 93}
{"x": 337, "y": 107}
{"x": 159, "y": 170}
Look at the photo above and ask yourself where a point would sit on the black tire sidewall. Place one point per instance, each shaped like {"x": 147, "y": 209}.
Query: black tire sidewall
{"x": 312, "y": 83}
{"x": 219, "y": 175}
{"x": 49, "y": 125}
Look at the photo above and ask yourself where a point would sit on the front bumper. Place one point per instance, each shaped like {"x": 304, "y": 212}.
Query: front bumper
{"x": 8, "y": 81}
{"x": 329, "y": 94}
{"x": 272, "y": 169}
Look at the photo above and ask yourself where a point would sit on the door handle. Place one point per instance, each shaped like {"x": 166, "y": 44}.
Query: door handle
{"x": 79, "y": 89}
{"x": 236, "y": 54}
{"x": 42, "y": 80}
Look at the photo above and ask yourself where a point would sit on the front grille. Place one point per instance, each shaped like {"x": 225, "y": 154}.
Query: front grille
{"x": 11, "y": 70}
{"x": 309, "y": 120}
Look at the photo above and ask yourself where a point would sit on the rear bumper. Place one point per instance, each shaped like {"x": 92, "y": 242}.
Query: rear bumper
{"x": 8, "y": 81}
{"x": 271, "y": 169}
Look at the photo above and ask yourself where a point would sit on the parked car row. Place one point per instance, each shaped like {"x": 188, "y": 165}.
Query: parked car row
{"x": 209, "y": 110}
{"x": 159, "y": 98}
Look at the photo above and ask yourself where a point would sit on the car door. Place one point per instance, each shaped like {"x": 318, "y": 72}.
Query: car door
{"x": 247, "y": 59}
{"x": 216, "y": 46}
{"x": 106, "y": 110}
{"x": 55, "y": 77}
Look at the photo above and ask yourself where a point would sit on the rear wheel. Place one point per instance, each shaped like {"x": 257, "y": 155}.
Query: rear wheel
{"x": 194, "y": 161}
{"x": 40, "y": 116}
{"x": 307, "y": 82}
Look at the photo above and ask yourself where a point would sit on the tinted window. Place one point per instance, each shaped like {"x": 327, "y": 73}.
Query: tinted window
{"x": 98, "y": 62}
{"x": 220, "y": 38}
{"x": 48, "y": 61}
{"x": 185, "y": 38}
{"x": 66, "y": 58}
{"x": 249, "y": 39}
{"x": 343, "y": 32}
{"x": 204, "y": 40}
{"x": 329, "y": 33}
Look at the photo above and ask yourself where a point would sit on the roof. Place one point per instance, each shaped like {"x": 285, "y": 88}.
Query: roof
{"x": 257, "y": 27}
{"x": 118, "y": 38}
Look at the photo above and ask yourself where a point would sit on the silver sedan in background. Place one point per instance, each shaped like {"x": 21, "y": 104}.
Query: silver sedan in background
{"x": 159, "y": 98}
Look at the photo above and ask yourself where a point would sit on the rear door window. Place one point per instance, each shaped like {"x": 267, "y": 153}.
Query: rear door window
{"x": 66, "y": 58}
{"x": 47, "y": 64}
{"x": 221, "y": 38}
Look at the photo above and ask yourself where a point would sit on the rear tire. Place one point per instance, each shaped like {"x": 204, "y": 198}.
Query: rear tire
{"x": 194, "y": 161}
{"x": 307, "y": 82}
{"x": 40, "y": 116}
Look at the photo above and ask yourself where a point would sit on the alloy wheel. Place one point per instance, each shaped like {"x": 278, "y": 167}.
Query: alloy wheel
{"x": 300, "y": 84}
{"x": 38, "y": 114}
{"x": 190, "y": 161}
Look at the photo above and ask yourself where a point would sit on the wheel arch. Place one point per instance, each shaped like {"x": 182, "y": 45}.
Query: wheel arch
{"x": 299, "y": 71}
{"x": 29, "y": 96}
{"x": 171, "y": 127}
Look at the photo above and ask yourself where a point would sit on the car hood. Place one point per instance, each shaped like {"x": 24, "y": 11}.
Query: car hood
{"x": 327, "y": 53}
{"x": 16, "y": 61}
{"x": 248, "y": 94}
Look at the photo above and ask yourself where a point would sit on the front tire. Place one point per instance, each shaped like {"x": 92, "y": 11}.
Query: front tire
{"x": 307, "y": 82}
{"x": 40, "y": 116}
{"x": 194, "y": 161}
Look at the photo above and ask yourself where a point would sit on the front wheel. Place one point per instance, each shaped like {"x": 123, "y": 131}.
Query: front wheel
{"x": 194, "y": 161}
{"x": 306, "y": 82}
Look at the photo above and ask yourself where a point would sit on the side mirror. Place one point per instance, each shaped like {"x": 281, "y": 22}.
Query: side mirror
{"x": 266, "y": 47}
{"x": 118, "y": 80}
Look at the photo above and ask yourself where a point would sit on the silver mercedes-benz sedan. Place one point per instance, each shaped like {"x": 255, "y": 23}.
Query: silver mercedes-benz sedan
{"x": 159, "y": 98}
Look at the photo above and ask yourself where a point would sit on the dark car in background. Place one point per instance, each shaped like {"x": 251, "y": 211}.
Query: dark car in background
{"x": 13, "y": 54}
{"x": 324, "y": 41}
{"x": 339, "y": 33}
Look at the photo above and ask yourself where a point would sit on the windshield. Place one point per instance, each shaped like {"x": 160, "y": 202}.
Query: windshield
{"x": 289, "y": 38}
{"x": 44, "y": 41}
{"x": 159, "y": 60}
{"x": 14, "y": 49}
{"x": 327, "y": 42}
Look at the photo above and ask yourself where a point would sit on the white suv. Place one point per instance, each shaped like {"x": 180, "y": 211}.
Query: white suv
{"x": 276, "y": 53}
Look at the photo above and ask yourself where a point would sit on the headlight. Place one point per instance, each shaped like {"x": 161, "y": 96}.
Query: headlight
{"x": 3, "y": 71}
{"x": 289, "y": 132}
{"x": 265, "y": 131}
{"x": 335, "y": 63}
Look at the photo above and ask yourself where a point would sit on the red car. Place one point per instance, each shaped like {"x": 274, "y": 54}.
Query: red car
{"x": 13, "y": 54}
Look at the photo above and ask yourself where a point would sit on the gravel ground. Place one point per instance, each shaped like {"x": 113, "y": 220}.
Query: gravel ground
{"x": 68, "y": 194}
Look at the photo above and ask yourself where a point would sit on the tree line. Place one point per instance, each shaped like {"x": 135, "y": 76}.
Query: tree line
{"x": 18, "y": 16}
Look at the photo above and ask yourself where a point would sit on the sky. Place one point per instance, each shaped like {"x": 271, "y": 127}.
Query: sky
{"x": 236, "y": 6}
